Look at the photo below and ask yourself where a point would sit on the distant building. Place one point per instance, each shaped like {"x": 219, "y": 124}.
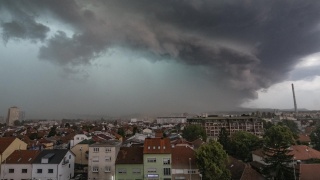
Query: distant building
{"x": 171, "y": 120}
{"x": 13, "y": 115}
{"x": 213, "y": 125}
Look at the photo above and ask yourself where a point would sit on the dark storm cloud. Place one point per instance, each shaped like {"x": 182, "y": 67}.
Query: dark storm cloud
{"x": 246, "y": 44}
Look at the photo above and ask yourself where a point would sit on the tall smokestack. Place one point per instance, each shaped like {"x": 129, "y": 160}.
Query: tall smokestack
{"x": 294, "y": 101}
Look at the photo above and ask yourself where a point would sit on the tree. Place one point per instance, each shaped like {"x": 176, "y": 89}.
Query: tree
{"x": 33, "y": 136}
{"x": 211, "y": 160}
{"x": 277, "y": 141}
{"x": 17, "y": 123}
{"x": 242, "y": 143}
{"x": 224, "y": 139}
{"x": 67, "y": 125}
{"x": 121, "y": 132}
{"x": 53, "y": 131}
{"x": 315, "y": 138}
{"x": 193, "y": 132}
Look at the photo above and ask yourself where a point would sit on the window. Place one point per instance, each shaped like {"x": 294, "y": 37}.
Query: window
{"x": 39, "y": 170}
{"x": 69, "y": 156}
{"x": 11, "y": 170}
{"x": 24, "y": 170}
{"x": 108, "y": 158}
{"x": 95, "y": 159}
{"x": 166, "y": 171}
{"x": 122, "y": 171}
{"x": 107, "y": 169}
{"x": 152, "y": 170}
{"x": 77, "y": 138}
{"x": 95, "y": 149}
{"x": 95, "y": 169}
{"x": 50, "y": 170}
{"x": 153, "y": 160}
{"x": 191, "y": 171}
{"x": 108, "y": 149}
{"x": 166, "y": 160}
{"x": 136, "y": 171}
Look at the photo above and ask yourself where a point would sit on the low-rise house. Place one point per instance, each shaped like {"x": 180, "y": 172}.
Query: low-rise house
{"x": 19, "y": 165}
{"x": 129, "y": 163}
{"x": 184, "y": 163}
{"x": 56, "y": 164}
{"x": 8, "y": 145}
{"x": 78, "y": 138}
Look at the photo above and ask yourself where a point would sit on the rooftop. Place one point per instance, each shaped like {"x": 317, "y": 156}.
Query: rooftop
{"x": 56, "y": 155}
{"x": 130, "y": 155}
{"x": 22, "y": 157}
{"x": 157, "y": 146}
{"x": 5, "y": 142}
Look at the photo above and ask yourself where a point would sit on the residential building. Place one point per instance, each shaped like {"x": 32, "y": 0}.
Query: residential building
{"x": 81, "y": 151}
{"x": 129, "y": 163}
{"x": 56, "y": 164}
{"x": 8, "y": 145}
{"x": 102, "y": 158}
{"x": 157, "y": 159}
{"x": 184, "y": 163}
{"x": 213, "y": 125}
{"x": 78, "y": 138}
{"x": 13, "y": 115}
{"x": 19, "y": 165}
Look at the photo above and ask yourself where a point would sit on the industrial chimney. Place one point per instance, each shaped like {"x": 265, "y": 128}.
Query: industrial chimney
{"x": 294, "y": 101}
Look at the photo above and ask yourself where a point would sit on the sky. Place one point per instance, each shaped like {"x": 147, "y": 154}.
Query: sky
{"x": 62, "y": 59}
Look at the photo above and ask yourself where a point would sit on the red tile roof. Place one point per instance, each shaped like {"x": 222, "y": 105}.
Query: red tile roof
{"x": 130, "y": 155}
{"x": 157, "y": 146}
{"x": 251, "y": 174}
{"x": 22, "y": 157}
{"x": 5, "y": 142}
{"x": 304, "y": 138}
{"x": 180, "y": 157}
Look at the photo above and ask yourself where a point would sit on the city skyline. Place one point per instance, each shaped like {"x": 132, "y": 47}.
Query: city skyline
{"x": 124, "y": 57}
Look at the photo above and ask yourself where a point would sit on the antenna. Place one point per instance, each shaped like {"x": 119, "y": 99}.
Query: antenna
{"x": 294, "y": 101}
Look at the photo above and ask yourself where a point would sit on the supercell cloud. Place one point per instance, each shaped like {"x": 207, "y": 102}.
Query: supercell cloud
{"x": 244, "y": 45}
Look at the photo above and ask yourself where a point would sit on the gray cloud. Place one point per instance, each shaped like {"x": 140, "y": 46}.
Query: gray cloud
{"x": 247, "y": 45}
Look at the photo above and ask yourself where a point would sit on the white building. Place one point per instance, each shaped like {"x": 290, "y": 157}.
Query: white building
{"x": 102, "y": 157}
{"x": 56, "y": 164}
{"x": 171, "y": 120}
{"x": 18, "y": 165}
{"x": 78, "y": 138}
{"x": 13, "y": 115}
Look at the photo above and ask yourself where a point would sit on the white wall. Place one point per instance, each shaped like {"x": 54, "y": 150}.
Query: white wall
{"x": 17, "y": 171}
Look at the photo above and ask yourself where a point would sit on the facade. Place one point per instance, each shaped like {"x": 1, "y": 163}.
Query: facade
{"x": 171, "y": 120}
{"x": 19, "y": 165}
{"x": 157, "y": 159}
{"x": 102, "y": 158}
{"x": 184, "y": 163}
{"x": 7, "y": 146}
{"x": 78, "y": 138}
{"x": 81, "y": 151}
{"x": 129, "y": 163}
{"x": 57, "y": 164}
{"x": 213, "y": 125}
{"x": 13, "y": 115}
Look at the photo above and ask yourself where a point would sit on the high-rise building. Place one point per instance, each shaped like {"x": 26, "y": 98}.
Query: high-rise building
{"x": 13, "y": 115}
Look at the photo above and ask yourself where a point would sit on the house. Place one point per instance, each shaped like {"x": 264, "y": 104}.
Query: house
{"x": 56, "y": 164}
{"x": 78, "y": 138}
{"x": 8, "y": 145}
{"x": 157, "y": 158}
{"x": 81, "y": 152}
{"x": 309, "y": 171}
{"x": 19, "y": 165}
{"x": 184, "y": 163}
{"x": 129, "y": 163}
{"x": 102, "y": 158}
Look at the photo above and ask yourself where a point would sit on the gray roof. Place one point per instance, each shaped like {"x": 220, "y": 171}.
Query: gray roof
{"x": 55, "y": 156}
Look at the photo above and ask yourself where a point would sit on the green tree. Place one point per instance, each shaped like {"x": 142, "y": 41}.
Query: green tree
{"x": 267, "y": 124}
{"x": 211, "y": 160}
{"x": 315, "y": 138}
{"x": 277, "y": 141}
{"x": 242, "y": 143}
{"x": 121, "y": 132}
{"x": 224, "y": 139}
{"x": 52, "y": 131}
{"x": 33, "y": 136}
{"x": 67, "y": 125}
{"x": 17, "y": 123}
{"x": 193, "y": 132}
